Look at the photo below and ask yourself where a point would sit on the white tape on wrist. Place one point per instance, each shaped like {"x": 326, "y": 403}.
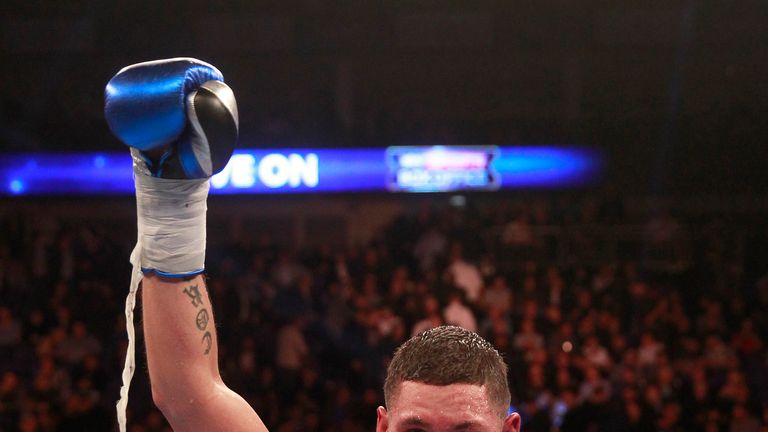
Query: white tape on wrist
{"x": 171, "y": 221}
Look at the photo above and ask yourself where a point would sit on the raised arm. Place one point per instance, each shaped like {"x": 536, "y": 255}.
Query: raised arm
{"x": 180, "y": 121}
{"x": 182, "y": 355}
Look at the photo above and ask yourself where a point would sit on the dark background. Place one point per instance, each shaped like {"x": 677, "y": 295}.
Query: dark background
{"x": 664, "y": 260}
{"x": 674, "y": 91}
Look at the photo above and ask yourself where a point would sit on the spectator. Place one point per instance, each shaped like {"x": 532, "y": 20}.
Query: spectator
{"x": 291, "y": 355}
{"x": 649, "y": 350}
{"x": 430, "y": 247}
{"x": 498, "y": 295}
{"x": 464, "y": 275}
{"x": 595, "y": 354}
{"x": 10, "y": 329}
{"x": 594, "y": 385}
{"x": 78, "y": 345}
{"x": 718, "y": 355}
{"x": 458, "y": 314}
{"x": 742, "y": 420}
{"x": 431, "y": 318}
{"x": 747, "y": 342}
{"x": 10, "y": 400}
{"x": 527, "y": 339}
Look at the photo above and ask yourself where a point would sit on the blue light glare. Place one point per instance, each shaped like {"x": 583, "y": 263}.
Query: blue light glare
{"x": 99, "y": 161}
{"x": 309, "y": 170}
{"x": 16, "y": 186}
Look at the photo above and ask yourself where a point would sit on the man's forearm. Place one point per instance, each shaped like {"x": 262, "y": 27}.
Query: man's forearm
{"x": 180, "y": 338}
{"x": 182, "y": 356}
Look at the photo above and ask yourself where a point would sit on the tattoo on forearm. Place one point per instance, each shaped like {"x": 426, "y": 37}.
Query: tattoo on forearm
{"x": 203, "y": 318}
{"x": 194, "y": 294}
{"x": 208, "y": 342}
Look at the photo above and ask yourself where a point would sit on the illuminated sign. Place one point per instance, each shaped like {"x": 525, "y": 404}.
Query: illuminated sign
{"x": 441, "y": 169}
{"x": 274, "y": 171}
{"x": 266, "y": 171}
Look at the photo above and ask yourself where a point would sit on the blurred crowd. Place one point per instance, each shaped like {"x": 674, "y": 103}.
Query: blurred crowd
{"x": 608, "y": 321}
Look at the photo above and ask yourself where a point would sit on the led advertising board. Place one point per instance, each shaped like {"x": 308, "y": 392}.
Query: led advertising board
{"x": 307, "y": 170}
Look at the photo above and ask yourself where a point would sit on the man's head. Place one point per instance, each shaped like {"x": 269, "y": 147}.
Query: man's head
{"x": 447, "y": 378}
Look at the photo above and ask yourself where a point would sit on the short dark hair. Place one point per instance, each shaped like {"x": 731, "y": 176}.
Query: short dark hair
{"x": 449, "y": 355}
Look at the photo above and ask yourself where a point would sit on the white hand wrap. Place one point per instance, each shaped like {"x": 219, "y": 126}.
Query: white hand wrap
{"x": 171, "y": 220}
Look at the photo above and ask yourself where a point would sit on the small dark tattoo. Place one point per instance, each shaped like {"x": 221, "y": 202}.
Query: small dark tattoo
{"x": 202, "y": 319}
{"x": 207, "y": 338}
{"x": 194, "y": 293}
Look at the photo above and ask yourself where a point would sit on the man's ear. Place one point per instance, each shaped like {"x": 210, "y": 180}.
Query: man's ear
{"x": 382, "y": 423}
{"x": 511, "y": 423}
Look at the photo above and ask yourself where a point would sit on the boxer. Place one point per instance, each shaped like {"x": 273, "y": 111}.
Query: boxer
{"x": 180, "y": 121}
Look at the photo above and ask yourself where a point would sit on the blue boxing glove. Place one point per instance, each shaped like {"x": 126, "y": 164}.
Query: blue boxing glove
{"x": 180, "y": 121}
{"x": 180, "y": 107}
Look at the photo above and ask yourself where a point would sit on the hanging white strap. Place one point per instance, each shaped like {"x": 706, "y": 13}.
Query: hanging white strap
{"x": 130, "y": 353}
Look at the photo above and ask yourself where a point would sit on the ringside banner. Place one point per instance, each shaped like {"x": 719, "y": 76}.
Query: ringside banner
{"x": 308, "y": 170}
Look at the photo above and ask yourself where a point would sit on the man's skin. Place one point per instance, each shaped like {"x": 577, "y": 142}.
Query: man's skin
{"x": 187, "y": 387}
{"x": 419, "y": 407}
{"x": 182, "y": 355}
